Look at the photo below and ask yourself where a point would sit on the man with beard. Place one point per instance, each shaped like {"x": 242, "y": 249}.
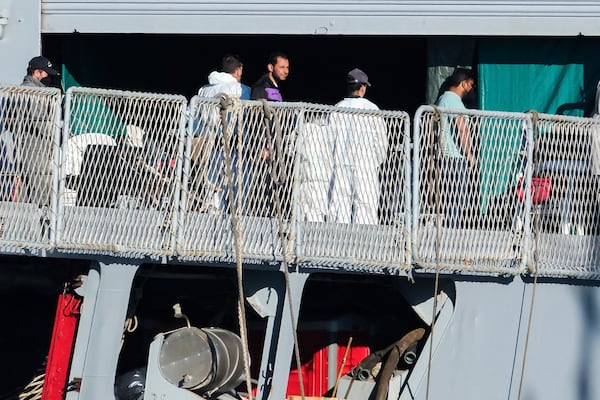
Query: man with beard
{"x": 458, "y": 162}
{"x": 267, "y": 87}
{"x": 268, "y": 159}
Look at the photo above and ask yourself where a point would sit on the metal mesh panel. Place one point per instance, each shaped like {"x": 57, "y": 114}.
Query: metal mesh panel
{"x": 121, "y": 164}
{"x": 353, "y": 189}
{"x": 29, "y": 136}
{"x": 284, "y": 158}
{"x": 467, "y": 215}
{"x": 228, "y": 143}
{"x": 566, "y": 223}
{"x": 328, "y": 185}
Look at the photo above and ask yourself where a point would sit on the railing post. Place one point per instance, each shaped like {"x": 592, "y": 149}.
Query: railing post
{"x": 416, "y": 182}
{"x": 182, "y": 168}
{"x": 406, "y": 234}
{"x": 191, "y": 115}
{"x": 56, "y": 174}
{"x": 527, "y": 244}
{"x": 295, "y": 226}
{"x": 60, "y": 205}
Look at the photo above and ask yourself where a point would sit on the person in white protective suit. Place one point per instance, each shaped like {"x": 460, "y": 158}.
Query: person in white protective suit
{"x": 315, "y": 150}
{"x": 360, "y": 148}
{"x": 224, "y": 82}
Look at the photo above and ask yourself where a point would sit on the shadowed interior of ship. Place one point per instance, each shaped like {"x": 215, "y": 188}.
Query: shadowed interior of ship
{"x": 180, "y": 64}
{"x": 371, "y": 309}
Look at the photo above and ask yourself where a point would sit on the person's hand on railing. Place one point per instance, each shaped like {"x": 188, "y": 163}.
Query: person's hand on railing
{"x": 472, "y": 162}
{"x": 265, "y": 154}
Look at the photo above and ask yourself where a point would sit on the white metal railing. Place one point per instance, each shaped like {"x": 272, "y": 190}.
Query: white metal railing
{"x": 146, "y": 175}
{"x": 465, "y": 213}
{"x": 121, "y": 162}
{"x": 29, "y": 137}
{"x": 530, "y": 201}
{"x": 567, "y": 223}
{"x": 304, "y": 183}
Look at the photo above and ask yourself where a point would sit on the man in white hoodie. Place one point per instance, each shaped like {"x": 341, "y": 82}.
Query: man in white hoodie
{"x": 209, "y": 133}
{"x": 227, "y": 81}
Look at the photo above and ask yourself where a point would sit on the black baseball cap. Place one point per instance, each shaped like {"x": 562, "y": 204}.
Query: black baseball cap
{"x": 358, "y": 76}
{"x": 42, "y": 63}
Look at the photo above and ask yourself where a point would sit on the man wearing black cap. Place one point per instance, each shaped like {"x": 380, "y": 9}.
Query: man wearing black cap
{"x": 360, "y": 149}
{"x": 36, "y": 140}
{"x": 357, "y": 82}
{"x": 38, "y": 70}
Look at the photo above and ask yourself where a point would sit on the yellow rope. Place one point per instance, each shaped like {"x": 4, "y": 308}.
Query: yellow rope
{"x": 535, "y": 120}
{"x": 438, "y": 119}
{"x": 233, "y": 105}
{"x": 33, "y": 390}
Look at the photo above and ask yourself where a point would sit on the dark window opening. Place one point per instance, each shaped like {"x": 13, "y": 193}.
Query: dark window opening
{"x": 180, "y": 64}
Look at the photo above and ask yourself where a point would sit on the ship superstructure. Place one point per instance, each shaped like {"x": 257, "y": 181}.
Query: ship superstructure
{"x": 129, "y": 180}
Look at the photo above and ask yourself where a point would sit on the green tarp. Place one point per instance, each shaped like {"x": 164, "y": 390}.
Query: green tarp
{"x": 91, "y": 114}
{"x": 519, "y": 75}
{"x": 529, "y": 74}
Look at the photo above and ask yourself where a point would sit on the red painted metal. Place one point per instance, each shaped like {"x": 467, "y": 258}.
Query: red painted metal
{"x": 314, "y": 366}
{"x": 61, "y": 346}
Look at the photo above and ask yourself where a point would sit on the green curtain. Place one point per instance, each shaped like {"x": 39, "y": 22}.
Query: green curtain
{"x": 520, "y": 75}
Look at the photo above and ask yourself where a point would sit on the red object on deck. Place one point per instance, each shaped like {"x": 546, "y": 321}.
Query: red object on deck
{"x": 540, "y": 189}
{"x": 314, "y": 370}
{"x": 61, "y": 347}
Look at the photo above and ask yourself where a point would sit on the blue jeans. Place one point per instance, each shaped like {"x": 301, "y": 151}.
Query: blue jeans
{"x": 217, "y": 175}
{"x": 454, "y": 186}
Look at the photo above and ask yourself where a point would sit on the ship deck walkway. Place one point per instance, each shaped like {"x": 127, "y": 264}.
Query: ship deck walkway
{"x": 156, "y": 177}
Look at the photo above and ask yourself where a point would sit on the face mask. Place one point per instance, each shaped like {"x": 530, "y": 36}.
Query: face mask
{"x": 46, "y": 81}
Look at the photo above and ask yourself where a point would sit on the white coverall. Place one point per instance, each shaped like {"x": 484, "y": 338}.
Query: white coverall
{"x": 360, "y": 149}
{"x": 315, "y": 149}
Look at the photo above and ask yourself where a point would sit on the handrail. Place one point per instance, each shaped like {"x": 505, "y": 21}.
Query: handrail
{"x": 155, "y": 190}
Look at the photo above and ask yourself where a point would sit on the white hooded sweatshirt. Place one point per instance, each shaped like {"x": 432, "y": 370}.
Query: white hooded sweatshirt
{"x": 221, "y": 82}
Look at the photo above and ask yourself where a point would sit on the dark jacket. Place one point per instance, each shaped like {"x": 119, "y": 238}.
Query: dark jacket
{"x": 264, "y": 88}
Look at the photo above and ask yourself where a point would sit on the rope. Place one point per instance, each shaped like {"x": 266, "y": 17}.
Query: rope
{"x": 131, "y": 325}
{"x": 525, "y": 350}
{"x": 341, "y": 370}
{"x": 535, "y": 120}
{"x": 234, "y": 105}
{"x": 33, "y": 390}
{"x": 438, "y": 118}
{"x": 268, "y": 117}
